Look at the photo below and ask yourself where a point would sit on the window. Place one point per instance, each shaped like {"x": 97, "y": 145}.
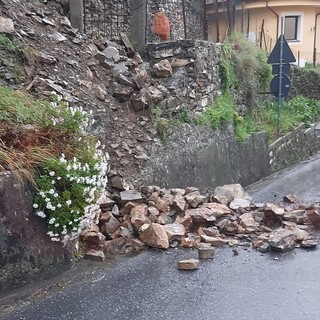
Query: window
{"x": 292, "y": 27}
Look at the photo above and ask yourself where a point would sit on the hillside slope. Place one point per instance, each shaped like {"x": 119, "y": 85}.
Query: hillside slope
{"x": 49, "y": 55}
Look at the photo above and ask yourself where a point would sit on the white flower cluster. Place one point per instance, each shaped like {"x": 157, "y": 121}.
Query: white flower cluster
{"x": 59, "y": 105}
{"x": 93, "y": 178}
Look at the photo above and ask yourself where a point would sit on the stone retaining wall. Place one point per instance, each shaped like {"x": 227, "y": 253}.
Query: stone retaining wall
{"x": 195, "y": 80}
{"x": 305, "y": 82}
{"x": 294, "y": 147}
{"x": 134, "y": 17}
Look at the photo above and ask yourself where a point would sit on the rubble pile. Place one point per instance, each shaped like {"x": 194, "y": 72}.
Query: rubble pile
{"x": 102, "y": 76}
{"x": 133, "y": 220}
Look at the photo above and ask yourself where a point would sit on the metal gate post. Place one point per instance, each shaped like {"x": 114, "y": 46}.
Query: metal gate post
{"x": 77, "y": 14}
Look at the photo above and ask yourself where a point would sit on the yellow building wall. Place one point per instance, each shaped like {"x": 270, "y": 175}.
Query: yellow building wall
{"x": 266, "y": 37}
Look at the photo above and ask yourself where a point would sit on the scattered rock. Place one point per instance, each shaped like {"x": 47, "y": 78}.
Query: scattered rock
{"x": 93, "y": 240}
{"x": 155, "y": 235}
{"x": 175, "y": 231}
{"x": 309, "y": 243}
{"x": 6, "y": 25}
{"x": 201, "y": 216}
{"x": 138, "y": 216}
{"x": 282, "y": 239}
{"x": 290, "y": 198}
{"x": 111, "y": 226}
{"x": 218, "y": 209}
{"x": 190, "y": 264}
{"x": 239, "y": 203}
{"x": 186, "y": 221}
{"x": 264, "y": 247}
{"x": 296, "y": 216}
{"x": 115, "y": 246}
{"x": 247, "y": 221}
{"x": 194, "y": 199}
{"x": 162, "y": 69}
{"x": 96, "y": 255}
{"x": 119, "y": 183}
{"x": 206, "y": 253}
{"x": 215, "y": 241}
{"x": 314, "y": 217}
{"x": 131, "y": 195}
{"x": 230, "y": 192}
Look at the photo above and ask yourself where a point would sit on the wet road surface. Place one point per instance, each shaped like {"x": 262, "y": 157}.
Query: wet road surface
{"x": 250, "y": 285}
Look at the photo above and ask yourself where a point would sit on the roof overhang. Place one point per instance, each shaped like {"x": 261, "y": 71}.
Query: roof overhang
{"x": 256, "y": 4}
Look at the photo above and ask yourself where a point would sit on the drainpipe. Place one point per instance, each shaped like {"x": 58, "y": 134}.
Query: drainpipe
{"x": 184, "y": 19}
{"x": 315, "y": 40}
{"x": 267, "y": 5}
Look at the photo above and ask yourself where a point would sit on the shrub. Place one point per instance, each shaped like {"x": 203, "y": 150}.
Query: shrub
{"x": 244, "y": 67}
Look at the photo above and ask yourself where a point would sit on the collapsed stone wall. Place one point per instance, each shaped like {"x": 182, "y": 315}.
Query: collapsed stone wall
{"x": 26, "y": 252}
{"x": 294, "y": 147}
{"x": 204, "y": 158}
{"x": 193, "y": 79}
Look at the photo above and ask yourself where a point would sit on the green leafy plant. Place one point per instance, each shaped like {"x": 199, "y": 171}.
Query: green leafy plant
{"x": 293, "y": 112}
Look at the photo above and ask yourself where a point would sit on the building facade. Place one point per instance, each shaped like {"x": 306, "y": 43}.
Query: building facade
{"x": 262, "y": 21}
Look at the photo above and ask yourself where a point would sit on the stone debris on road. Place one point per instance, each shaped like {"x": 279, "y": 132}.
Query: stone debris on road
{"x": 132, "y": 220}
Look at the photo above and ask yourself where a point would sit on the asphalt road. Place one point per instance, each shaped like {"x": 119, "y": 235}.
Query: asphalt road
{"x": 248, "y": 286}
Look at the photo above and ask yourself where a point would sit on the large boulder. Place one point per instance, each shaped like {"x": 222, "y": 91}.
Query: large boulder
{"x": 230, "y": 192}
{"x": 138, "y": 216}
{"x": 154, "y": 235}
{"x": 282, "y": 239}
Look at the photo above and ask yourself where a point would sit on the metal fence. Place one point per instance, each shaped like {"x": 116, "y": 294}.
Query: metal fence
{"x": 106, "y": 17}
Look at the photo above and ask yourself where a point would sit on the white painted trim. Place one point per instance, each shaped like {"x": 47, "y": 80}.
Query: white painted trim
{"x": 300, "y": 26}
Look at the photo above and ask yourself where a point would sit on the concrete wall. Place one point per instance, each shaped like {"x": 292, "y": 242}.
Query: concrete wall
{"x": 26, "y": 252}
{"x": 201, "y": 157}
{"x": 294, "y": 147}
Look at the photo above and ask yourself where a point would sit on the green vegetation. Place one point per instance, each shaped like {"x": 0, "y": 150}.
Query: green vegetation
{"x": 244, "y": 66}
{"x": 221, "y": 112}
{"x": 224, "y": 111}
{"x": 12, "y": 46}
{"x": 46, "y": 143}
{"x": 294, "y": 111}
{"x": 310, "y": 66}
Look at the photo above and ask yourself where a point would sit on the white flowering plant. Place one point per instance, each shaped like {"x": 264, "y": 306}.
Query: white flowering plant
{"x": 66, "y": 190}
{"x": 48, "y": 144}
{"x": 69, "y": 184}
